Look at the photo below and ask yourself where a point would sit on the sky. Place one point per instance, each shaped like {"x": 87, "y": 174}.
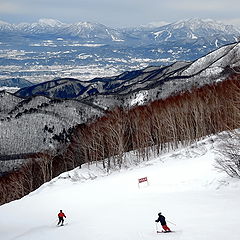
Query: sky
{"x": 120, "y": 13}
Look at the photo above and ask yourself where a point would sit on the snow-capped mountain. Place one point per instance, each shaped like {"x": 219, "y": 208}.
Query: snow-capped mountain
{"x": 7, "y": 27}
{"x": 82, "y": 30}
{"x": 92, "y": 32}
{"x": 192, "y": 31}
{"x": 197, "y": 29}
{"x": 196, "y": 25}
{"x": 43, "y": 26}
{"x": 187, "y": 30}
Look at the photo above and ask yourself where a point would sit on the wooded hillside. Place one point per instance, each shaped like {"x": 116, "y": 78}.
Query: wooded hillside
{"x": 150, "y": 129}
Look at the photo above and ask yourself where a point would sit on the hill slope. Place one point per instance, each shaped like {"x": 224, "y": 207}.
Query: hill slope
{"x": 183, "y": 184}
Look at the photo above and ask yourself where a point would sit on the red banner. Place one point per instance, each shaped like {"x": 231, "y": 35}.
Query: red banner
{"x": 140, "y": 180}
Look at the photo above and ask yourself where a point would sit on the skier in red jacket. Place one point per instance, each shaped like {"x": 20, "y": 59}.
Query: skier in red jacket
{"x": 61, "y": 215}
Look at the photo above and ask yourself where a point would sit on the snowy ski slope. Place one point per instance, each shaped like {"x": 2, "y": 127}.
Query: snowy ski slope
{"x": 183, "y": 185}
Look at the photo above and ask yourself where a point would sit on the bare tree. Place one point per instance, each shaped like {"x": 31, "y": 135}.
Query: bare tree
{"x": 228, "y": 160}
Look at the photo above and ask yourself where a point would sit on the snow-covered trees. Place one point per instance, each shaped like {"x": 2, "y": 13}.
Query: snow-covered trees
{"x": 228, "y": 160}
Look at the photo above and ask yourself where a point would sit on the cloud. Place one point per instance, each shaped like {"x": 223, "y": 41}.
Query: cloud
{"x": 10, "y": 8}
{"x": 203, "y": 5}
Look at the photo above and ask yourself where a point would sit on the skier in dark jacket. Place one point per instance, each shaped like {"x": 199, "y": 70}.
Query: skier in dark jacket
{"x": 61, "y": 215}
{"x": 162, "y": 220}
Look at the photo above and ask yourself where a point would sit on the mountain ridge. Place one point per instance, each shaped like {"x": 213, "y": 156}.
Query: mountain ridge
{"x": 193, "y": 29}
{"x": 208, "y": 67}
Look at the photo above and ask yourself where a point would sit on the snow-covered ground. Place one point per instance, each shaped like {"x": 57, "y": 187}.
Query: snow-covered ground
{"x": 184, "y": 185}
{"x": 9, "y": 89}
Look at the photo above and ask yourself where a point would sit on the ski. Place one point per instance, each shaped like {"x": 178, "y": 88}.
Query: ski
{"x": 165, "y": 231}
{"x": 62, "y": 225}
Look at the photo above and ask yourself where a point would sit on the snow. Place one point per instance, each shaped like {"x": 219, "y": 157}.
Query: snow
{"x": 139, "y": 98}
{"x": 219, "y": 58}
{"x": 86, "y": 45}
{"x": 9, "y": 89}
{"x": 169, "y": 36}
{"x": 193, "y": 36}
{"x": 50, "y": 22}
{"x": 183, "y": 185}
{"x": 155, "y": 24}
{"x": 157, "y": 34}
{"x": 196, "y": 23}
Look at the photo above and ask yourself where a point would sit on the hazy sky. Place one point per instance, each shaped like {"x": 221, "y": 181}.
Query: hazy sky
{"x": 119, "y": 13}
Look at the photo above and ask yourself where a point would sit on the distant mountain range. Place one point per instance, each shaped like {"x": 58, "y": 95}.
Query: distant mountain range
{"x": 50, "y": 49}
{"x": 194, "y": 31}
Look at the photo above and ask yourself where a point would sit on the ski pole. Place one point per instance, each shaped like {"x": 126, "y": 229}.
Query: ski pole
{"x": 172, "y": 223}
